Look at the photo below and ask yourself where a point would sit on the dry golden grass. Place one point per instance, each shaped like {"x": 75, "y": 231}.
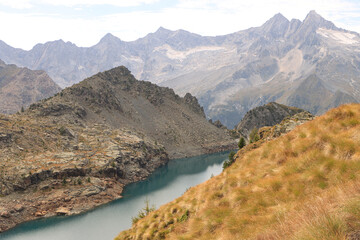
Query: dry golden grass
{"x": 303, "y": 185}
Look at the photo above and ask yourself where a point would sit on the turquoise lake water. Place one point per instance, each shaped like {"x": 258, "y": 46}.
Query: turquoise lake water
{"x": 105, "y": 222}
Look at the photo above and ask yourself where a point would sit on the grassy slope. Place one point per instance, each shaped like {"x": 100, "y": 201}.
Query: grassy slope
{"x": 303, "y": 185}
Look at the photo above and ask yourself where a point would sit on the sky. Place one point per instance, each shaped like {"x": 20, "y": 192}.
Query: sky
{"x": 25, "y": 23}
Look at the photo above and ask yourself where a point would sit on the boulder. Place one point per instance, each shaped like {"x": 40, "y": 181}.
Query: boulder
{"x": 19, "y": 207}
{"x": 91, "y": 191}
{"x": 62, "y": 211}
{"x": 5, "y": 214}
{"x": 40, "y": 213}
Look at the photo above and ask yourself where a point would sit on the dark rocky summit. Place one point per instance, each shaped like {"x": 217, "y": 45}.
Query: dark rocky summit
{"x": 286, "y": 125}
{"x": 118, "y": 100}
{"x": 76, "y": 150}
{"x": 267, "y": 115}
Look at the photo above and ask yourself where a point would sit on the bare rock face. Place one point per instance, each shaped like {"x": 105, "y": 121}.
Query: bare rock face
{"x": 61, "y": 211}
{"x": 267, "y": 115}
{"x": 193, "y": 102}
{"x": 285, "y": 126}
{"x": 4, "y": 214}
{"x": 19, "y": 87}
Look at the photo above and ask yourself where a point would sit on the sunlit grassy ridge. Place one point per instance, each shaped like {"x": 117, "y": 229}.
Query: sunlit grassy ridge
{"x": 303, "y": 185}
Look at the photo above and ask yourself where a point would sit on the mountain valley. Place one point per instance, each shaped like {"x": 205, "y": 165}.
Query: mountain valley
{"x": 76, "y": 150}
{"x": 79, "y": 126}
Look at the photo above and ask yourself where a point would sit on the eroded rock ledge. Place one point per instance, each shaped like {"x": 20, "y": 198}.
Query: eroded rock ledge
{"x": 80, "y": 169}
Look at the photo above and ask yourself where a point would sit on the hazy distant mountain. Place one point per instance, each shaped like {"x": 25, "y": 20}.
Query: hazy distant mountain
{"x": 230, "y": 74}
{"x": 19, "y": 87}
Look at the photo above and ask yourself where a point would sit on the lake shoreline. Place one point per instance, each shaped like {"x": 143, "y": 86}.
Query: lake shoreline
{"x": 58, "y": 199}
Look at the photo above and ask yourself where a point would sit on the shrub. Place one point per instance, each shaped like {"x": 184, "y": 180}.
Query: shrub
{"x": 241, "y": 143}
{"x": 143, "y": 212}
{"x": 184, "y": 217}
{"x": 254, "y": 136}
{"x": 62, "y": 131}
{"x": 230, "y": 161}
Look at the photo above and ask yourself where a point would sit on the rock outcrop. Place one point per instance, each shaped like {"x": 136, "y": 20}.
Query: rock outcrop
{"x": 285, "y": 126}
{"x": 267, "y": 115}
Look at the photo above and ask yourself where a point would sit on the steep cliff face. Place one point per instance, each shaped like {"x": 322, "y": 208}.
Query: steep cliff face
{"x": 267, "y": 115}
{"x": 19, "y": 87}
{"x": 81, "y": 146}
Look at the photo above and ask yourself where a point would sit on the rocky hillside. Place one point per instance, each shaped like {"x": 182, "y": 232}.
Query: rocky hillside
{"x": 229, "y": 74}
{"x": 19, "y": 87}
{"x": 266, "y": 115}
{"x": 302, "y": 185}
{"x": 76, "y": 150}
{"x": 51, "y": 167}
{"x": 117, "y": 99}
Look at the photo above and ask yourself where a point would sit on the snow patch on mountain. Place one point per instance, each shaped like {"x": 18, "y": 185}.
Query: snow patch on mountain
{"x": 341, "y": 37}
{"x": 181, "y": 55}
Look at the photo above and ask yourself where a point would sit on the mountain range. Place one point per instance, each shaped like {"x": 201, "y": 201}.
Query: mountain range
{"x": 310, "y": 64}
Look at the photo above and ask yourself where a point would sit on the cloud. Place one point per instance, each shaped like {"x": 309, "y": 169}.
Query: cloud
{"x": 17, "y": 4}
{"x": 72, "y": 3}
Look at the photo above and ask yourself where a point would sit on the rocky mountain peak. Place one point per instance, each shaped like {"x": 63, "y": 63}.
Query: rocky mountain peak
{"x": 313, "y": 15}
{"x": 59, "y": 42}
{"x": 267, "y": 115}
{"x": 277, "y": 18}
{"x": 193, "y": 102}
{"x": 117, "y": 99}
{"x": 115, "y": 74}
{"x": 276, "y": 26}
{"x": 160, "y": 33}
{"x": 54, "y": 46}
{"x": 162, "y": 30}
{"x": 109, "y": 38}
{"x": 315, "y": 20}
